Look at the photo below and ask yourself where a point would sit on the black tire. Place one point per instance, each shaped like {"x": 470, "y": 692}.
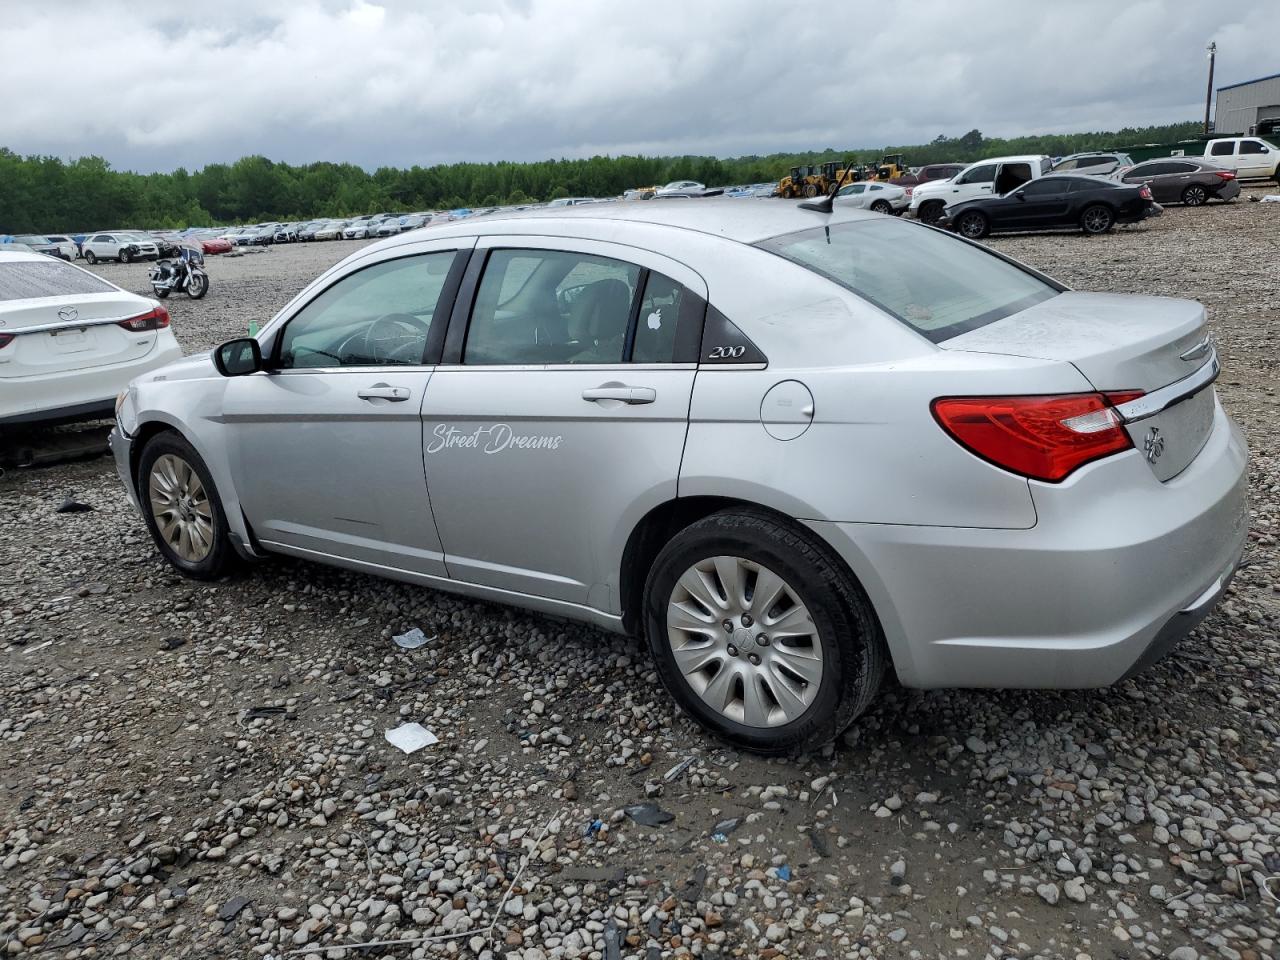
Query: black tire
{"x": 220, "y": 556}
{"x": 200, "y": 288}
{"x": 852, "y": 645}
{"x": 162, "y": 293}
{"x": 882, "y": 206}
{"x": 124, "y": 256}
{"x": 973, "y": 225}
{"x": 931, "y": 211}
{"x": 1097, "y": 219}
{"x": 90, "y": 257}
{"x": 1195, "y": 195}
{"x": 810, "y": 190}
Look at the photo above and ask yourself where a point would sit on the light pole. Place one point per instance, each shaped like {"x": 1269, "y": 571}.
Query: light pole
{"x": 1208, "y": 94}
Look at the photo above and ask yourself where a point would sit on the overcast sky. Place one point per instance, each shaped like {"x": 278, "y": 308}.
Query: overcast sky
{"x": 398, "y": 82}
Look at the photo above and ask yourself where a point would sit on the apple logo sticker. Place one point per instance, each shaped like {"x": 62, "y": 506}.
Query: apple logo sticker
{"x": 655, "y": 319}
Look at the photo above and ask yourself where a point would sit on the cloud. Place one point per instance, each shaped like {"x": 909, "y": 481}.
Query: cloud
{"x": 398, "y": 82}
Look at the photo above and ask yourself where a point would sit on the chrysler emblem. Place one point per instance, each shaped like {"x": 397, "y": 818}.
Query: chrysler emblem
{"x": 1153, "y": 445}
{"x": 68, "y": 314}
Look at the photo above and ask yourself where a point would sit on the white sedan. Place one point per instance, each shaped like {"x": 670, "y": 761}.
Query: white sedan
{"x": 70, "y": 341}
{"x": 880, "y": 197}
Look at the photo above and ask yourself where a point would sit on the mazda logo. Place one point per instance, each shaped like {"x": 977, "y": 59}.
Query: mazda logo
{"x": 67, "y": 314}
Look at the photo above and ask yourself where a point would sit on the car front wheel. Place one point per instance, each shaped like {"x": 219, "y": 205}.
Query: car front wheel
{"x": 182, "y": 509}
{"x": 972, "y": 225}
{"x": 931, "y": 211}
{"x": 124, "y": 256}
{"x": 760, "y": 634}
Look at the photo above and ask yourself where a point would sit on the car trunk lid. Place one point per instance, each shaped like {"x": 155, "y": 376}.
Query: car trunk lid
{"x": 1155, "y": 345}
{"x": 52, "y": 335}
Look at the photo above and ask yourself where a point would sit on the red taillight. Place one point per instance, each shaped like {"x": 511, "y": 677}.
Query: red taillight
{"x": 6, "y": 339}
{"x": 1045, "y": 438}
{"x": 156, "y": 319}
{"x": 1144, "y": 192}
{"x": 1226, "y": 174}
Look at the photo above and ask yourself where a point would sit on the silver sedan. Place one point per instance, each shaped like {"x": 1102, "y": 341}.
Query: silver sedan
{"x": 791, "y": 449}
{"x": 880, "y": 197}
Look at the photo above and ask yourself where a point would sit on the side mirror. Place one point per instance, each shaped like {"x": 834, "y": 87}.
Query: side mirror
{"x": 236, "y": 358}
{"x": 1021, "y": 196}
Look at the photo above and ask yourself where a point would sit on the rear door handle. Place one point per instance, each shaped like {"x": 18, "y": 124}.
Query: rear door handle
{"x": 624, "y": 393}
{"x": 382, "y": 391}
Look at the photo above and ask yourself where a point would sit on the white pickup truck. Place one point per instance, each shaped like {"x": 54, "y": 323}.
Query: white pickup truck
{"x": 1249, "y": 157}
{"x": 994, "y": 177}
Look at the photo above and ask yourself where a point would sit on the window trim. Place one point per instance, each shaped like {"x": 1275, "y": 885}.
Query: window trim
{"x": 687, "y": 348}
{"x": 435, "y": 333}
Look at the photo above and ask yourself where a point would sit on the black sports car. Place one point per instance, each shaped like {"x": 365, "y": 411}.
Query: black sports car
{"x": 1072, "y": 200}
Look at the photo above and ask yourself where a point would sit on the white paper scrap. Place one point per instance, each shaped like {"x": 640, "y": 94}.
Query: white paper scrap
{"x": 410, "y": 737}
{"x": 411, "y": 640}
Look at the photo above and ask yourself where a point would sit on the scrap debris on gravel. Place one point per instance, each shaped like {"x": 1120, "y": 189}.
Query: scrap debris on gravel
{"x": 194, "y": 770}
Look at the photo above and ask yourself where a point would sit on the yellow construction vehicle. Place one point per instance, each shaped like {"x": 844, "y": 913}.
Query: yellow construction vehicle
{"x": 891, "y": 165}
{"x": 816, "y": 180}
{"x": 796, "y": 183}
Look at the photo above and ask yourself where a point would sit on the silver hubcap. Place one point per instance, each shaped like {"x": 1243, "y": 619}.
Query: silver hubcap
{"x": 181, "y": 508}
{"x": 744, "y": 641}
{"x": 971, "y": 227}
{"x": 1096, "y": 220}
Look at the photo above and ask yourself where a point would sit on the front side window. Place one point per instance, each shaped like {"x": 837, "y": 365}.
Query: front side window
{"x": 1224, "y": 148}
{"x": 1043, "y": 188}
{"x": 851, "y": 190}
{"x": 984, "y": 174}
{"x": 1252, "y": 147}
{"x": 377, "y": 316}
{"x": 938, "y": 285}
{"x": 551, "y": 306}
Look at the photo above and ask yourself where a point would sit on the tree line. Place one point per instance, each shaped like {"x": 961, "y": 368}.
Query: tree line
{"x": 41, "y": 194}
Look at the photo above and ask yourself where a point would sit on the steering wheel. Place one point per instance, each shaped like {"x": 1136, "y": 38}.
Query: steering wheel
{"x": 387, "y": 337}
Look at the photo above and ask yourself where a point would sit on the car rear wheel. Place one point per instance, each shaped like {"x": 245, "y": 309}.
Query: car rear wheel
{"x": 973, "y": 225}
{"x": 882, "y": 206}
{"x": 931, "y": 211}
{"x": 1097, "y": 219}
{"x": 90, "y": 258}
{"x": 760, "y": 634}
{"x": 1195, "y": 195}
{"x": 182, "y": 509}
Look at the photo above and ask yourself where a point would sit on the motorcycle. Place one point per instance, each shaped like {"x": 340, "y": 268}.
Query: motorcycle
{"x": 185, "y": 273}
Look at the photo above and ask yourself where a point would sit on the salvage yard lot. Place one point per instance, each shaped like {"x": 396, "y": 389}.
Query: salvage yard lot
{"x": 147, "y": 807}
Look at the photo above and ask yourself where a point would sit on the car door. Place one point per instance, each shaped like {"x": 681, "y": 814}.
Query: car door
{"x": 559, "y": 416}
{"x": 1040, "y": 203}
{"x": 1255, "y": 159}
{"x": 326, "y": 446}
{"x": 1225, "y": 153}
{"x": 975, "y": 182}
{"x": 1156, "y": 175}
{"x": 853, "y": 195}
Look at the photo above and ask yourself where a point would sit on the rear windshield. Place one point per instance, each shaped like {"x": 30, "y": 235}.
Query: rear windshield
{"x": 938, "y": 285}
{"x": 46, "y": 278}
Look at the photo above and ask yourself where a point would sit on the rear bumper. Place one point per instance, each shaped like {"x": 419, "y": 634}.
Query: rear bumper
{"x": 1117, "y": 568}
{"x": 84, "y": 394}
{"x": 73, "y": 413}
{"x": 1229, "y": 190}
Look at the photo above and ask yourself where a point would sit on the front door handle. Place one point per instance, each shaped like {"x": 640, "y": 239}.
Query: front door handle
{"x": 382, "y": 391}
{"x": 621, "y": 392}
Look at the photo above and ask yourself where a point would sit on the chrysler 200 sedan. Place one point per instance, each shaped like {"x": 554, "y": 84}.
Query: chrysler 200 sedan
{"x": 791, "y": 448}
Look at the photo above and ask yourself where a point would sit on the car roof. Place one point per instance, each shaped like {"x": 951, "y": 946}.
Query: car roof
{"x": 717, "y": 216}
{"x": 9, "y": 255}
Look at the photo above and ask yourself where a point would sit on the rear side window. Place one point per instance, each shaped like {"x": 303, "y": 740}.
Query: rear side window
{"x": 1223, "y": 149}
{"x": 938, "y": 285}
{"x": 52, "y": 278}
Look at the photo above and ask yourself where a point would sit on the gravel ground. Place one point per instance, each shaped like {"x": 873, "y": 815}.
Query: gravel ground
{"x": 200, "y": 771}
